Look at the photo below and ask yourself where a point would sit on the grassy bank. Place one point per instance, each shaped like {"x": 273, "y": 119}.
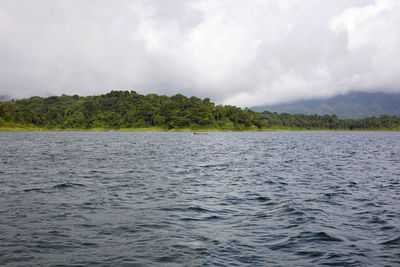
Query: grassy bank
{"x": 32, "y": 128}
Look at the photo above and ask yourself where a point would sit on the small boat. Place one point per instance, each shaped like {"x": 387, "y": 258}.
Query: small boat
{"x": 203, "y": 133}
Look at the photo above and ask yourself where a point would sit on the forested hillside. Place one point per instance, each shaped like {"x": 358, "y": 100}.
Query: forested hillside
{"x": 124, "y": 109}
{"x": 301, "y": 121}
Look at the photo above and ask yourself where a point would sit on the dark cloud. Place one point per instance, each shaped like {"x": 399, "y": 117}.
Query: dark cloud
{"x": 236, "y": 52}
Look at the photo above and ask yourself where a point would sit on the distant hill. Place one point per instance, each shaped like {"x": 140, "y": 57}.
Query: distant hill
{"x": 4, "y": 98}
{"x": 350, "y": 106}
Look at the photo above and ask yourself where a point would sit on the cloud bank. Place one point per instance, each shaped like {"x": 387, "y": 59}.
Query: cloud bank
{"x": 241, "y": 52}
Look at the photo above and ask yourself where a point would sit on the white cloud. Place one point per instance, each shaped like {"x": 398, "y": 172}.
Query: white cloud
{"x": 234, "y": 51}
{"x": 372, "y": 47}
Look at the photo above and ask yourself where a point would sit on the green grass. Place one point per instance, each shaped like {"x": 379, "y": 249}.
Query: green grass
{"x": 14, "y": 127}
{"x": 20, "y": 129}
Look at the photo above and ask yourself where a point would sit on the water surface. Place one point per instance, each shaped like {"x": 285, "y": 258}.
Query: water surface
{"x": 173, "y": 199}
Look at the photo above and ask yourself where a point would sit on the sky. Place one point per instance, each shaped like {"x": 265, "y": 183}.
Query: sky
{"x": 237, "y": 52}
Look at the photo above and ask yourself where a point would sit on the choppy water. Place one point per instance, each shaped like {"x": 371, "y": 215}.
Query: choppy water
{"x": 145, "y": 199}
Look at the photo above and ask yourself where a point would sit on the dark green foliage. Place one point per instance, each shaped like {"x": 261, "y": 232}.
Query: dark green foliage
{"x": 314, "y": 122}
{"x": 123, "y": 109}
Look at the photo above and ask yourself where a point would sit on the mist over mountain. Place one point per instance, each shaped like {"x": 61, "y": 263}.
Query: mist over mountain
{"x": 4, "y": 98}
{"x": 354, "y": 105}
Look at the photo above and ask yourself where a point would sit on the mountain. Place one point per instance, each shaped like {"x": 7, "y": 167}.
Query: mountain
{"x": 354, "y": 105}
{"x": 4, "y": 98}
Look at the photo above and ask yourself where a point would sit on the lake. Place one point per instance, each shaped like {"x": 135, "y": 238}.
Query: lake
{"x": 178, "y": 199}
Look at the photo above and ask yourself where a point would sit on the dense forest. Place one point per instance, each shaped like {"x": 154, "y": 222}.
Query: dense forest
{"x": 124, "y": 109}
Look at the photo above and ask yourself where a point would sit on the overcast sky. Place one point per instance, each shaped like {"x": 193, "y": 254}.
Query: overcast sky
{"x": 240, "y": 52}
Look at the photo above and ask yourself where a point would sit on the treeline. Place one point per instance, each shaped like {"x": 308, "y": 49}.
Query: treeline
{"x": 124, "y": 109}
{"x": 314, "y": 122}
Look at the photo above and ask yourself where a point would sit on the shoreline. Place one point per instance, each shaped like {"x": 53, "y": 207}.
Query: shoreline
{"x": 156, "y": 129}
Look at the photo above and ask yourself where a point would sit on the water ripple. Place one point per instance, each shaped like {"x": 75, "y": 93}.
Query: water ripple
{"x": 224, "y": 199}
